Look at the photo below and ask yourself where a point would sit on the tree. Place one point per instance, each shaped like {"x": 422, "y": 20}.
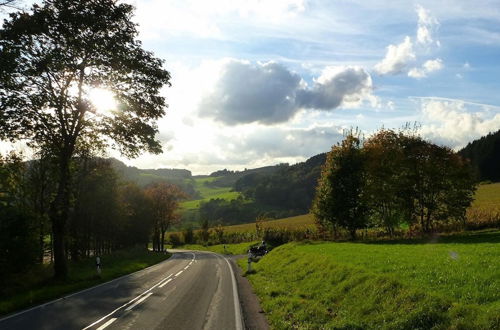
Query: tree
{"x": 164, "y": 199}
{"x": 50, "y": 59}
{"x": 340, "y": 199}
{"x": 440, "y": 183}
{"x": 385, "y": 178}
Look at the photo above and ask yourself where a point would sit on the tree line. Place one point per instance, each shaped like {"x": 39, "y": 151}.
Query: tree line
{"x": 106, "y": 213}
{"x": 484, "y": 154}
{"x": 390, "y": 179}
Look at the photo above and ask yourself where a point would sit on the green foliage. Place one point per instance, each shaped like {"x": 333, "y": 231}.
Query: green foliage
{"x": 340, "y": 200}
{"x": 397, "y": 177}
{"x": 447, "y": 284}
{"x": 484, "y": 155}
{"x": 18, "y": 245}
{"x": 236, "y": 249}
{"x": 50, "y": 59}
{"x": 188, "y": 235}
{"x": 287, "y": 188}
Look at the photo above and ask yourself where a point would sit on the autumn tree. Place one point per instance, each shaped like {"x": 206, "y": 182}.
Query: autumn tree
{"x": 386, "y": 179}
{"x": 50, "y": 59}
{"x": 164, "y": 199}
{"x": 440, "y": 183}
{"x": 340, "y": 195}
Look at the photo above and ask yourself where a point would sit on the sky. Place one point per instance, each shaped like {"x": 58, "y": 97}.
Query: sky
{"x": 257, "y": 82}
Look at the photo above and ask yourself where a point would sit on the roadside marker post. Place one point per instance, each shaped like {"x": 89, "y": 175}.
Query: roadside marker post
{"x": 249, "y": 264}
{"x": 98, "y": 265}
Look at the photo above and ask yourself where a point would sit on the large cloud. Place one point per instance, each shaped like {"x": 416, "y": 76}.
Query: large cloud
{"x": 247, "y": 93}
{"x": 455, "y": 122}
{"x": 269, "y": 93}
{"x": 335, "y": 86}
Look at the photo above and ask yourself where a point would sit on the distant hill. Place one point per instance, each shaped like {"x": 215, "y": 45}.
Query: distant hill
{"x": 484, "y": 155}
{"x": 180, "y": 177}
{"x": 288, "y": 187}
{"x": 226, "y": 178}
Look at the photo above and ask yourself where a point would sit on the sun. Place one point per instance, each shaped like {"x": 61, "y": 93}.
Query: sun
{"x": 103, "y": 100}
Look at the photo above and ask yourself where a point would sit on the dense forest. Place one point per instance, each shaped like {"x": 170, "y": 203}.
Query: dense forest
{"x": 484, "y": 155}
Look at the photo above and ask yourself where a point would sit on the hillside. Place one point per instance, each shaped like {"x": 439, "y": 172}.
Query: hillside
{"x": 484, "y": 155}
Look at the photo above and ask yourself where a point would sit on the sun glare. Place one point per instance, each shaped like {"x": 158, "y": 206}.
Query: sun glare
{"x": 103, "y": 100}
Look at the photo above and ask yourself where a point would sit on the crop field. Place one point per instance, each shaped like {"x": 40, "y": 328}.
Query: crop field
{"x": 488, "y": 196}
{"x": 450, "y": 282}
{"x": 297, "y": 222}
{"x": 208, "y": 193}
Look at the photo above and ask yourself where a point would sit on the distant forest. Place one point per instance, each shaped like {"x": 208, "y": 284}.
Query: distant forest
{"x": 484, "y": 155}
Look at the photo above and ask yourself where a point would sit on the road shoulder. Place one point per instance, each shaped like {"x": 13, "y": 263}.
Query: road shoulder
{"x": 253, "y": 315}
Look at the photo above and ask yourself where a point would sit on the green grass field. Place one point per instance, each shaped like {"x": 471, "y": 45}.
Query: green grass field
{"x": 37, "y": 285}
{"x": 452, "y": 282}
{"x": 208, "y": 193}
{"x": 234, "y": 249}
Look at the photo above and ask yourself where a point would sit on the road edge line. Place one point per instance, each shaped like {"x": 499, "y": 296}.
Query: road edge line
{"x": 237, "y": 306}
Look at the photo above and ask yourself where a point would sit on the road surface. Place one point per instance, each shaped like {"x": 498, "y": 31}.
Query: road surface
{"x": 191, "y": 290}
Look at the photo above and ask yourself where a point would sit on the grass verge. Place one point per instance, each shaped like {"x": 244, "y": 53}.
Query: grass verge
{"x": 38, "y": 286}
{"x": 439, "y": 284}
{"x": 240, "y": 248}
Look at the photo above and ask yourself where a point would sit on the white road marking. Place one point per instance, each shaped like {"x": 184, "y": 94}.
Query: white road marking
{"x": 107, "y": 323}
{"x": 129, "y": 302}
{"x": 179, "y": 273}
{"x": 138, "y": 301}
{"x": 186, "y": 267}
{"x": 237, "y": 311}
{"x": 165, "y": 283}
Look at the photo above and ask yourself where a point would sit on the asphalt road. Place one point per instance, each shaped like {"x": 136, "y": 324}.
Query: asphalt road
{"x": 191, "y": 290}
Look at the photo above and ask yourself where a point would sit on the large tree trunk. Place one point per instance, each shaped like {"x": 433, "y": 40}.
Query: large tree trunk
{"x": 59, "y": 210}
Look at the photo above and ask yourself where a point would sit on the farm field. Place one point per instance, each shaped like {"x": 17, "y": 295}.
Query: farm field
{"x": 450, "y": 282}
{"x": 208, "y": 193}
{"x": 297, "y": 222}
{"x": 487, "y": 197}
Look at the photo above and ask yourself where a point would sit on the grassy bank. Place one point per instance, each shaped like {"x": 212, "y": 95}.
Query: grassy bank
{"x": 452, "y": 282}
{"x": 234, "y": 249}
{"x": 37, "y": 286}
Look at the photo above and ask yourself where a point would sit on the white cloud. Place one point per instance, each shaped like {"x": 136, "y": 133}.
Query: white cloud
{"x": 428, "y": 67}
{"x": 426, "y": 24}
{"x": 158, "y": 18}
{"x": 455, "y": 122}
{"x": 269, "y": 93}
{"x": 396, "y": 58}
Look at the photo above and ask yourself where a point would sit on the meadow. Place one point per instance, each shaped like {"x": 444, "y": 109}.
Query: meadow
{"x": 441, "y": 283}
{"x": 207, "y": 193}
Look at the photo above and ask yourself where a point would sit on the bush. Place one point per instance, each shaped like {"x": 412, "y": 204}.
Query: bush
{"x": 174, "y": 239}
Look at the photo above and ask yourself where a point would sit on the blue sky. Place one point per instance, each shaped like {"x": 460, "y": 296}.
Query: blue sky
{"x": 261, "y": 82}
